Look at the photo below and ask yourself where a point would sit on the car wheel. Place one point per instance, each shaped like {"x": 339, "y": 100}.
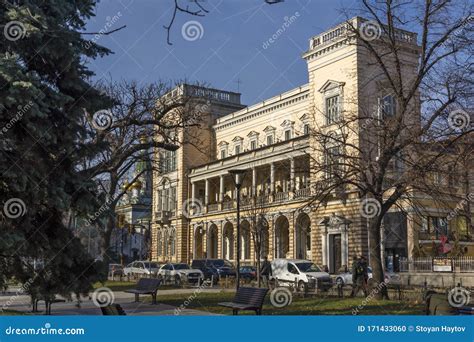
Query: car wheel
{"x": 301, "y": 286}
{"x": 339, "y": 281}
{"x": 177, "y": 281}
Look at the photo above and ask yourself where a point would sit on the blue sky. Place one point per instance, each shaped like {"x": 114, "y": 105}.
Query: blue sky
{"x": 228, "y": 47}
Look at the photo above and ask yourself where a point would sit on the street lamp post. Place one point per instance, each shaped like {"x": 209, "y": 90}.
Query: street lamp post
{"x": 238, "y": 177}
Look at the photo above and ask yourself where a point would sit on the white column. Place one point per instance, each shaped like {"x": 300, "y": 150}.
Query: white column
{"x": 292, "y": 174}
{"x": 206, "y": 191}
{"x": 193, "y": 191}
{"x": 324, "y": 249}
{"x": 254, "y": 181}
{"x": 272, "y": 178}
{"x": 221, "y": 188}
{"x": 344, "y": 249}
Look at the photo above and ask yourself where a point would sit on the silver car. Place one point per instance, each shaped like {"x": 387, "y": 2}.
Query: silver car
{"x": 141, "y": 268}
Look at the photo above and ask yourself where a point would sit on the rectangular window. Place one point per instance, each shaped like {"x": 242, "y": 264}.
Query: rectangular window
{"x": 223, "y": 154}
{"x": 269, "y": 139}
{"x": 160, "y": 203}
{"x": 173, "y": 199}
{"x": 388, "y": 105}
{"x": 332, "y": 109}
{"x": 166, "y": 197}
{"x": 253, "y": 144}
{"x": 437, "y": 226}
{"x": 287, "y": 134}
{"x": 237, "y": 149}
{"x": 333, "y": 162}
{"x": 306, "y": 129}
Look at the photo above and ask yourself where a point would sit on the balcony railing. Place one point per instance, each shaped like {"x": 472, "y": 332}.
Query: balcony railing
{"x": 212, "y": 207}
{"x": 227, "y": 205}
{"x": 302, "y": 193}
{"x": 281, "y": 196}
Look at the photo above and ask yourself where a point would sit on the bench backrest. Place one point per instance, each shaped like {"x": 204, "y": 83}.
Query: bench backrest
{"x": 252, "y": 296}
{"x": 113, "y": 310}
{"x": 438, "y": 305}
{"x": 148, "y": 284}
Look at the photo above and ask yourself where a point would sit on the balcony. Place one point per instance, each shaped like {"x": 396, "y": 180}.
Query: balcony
{"x": 212, "y": 207}
{"x": 163, "y": 216}
{"x": 302, "y": 193}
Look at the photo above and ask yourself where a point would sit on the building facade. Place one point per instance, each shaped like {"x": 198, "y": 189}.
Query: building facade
{"x": 194, "y": 209}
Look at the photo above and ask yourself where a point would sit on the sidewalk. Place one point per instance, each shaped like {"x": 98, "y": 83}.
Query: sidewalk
{"x": 21, "y": 303}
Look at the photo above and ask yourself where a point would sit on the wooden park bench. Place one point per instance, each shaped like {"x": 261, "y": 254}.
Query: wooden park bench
{"x": 247, "y": 298}
{"x": 146, "y": 286}
{"x": 437, "y": 304}
{"x": 112, "y": 310}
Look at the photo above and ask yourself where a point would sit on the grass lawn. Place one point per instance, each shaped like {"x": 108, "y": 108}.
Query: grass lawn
{"x": 300, "y": 306}
{"x": 11, "y": 313}
{"x": 116, "y": 285}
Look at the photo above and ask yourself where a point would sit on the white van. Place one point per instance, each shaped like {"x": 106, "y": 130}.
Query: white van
{"x": 300, "y": 272}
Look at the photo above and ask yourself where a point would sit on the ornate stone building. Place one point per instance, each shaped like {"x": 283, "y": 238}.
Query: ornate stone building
{"x": 194, "y": 211}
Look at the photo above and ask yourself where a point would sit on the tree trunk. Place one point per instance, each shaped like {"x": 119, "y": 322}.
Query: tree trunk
{"x": 105, "y": 243}
{"x": 376, "y": 262}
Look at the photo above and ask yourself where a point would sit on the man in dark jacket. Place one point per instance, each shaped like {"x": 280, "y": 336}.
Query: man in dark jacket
{"x": 362, "y": 277}
{"x": 266, "y": 271}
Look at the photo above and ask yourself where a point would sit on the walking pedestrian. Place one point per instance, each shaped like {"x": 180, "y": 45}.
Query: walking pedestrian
{"x": 266, "y": 272}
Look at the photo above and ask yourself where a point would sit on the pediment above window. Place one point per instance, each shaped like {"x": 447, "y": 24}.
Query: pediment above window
{"x": 287, "y": 123}
{"x": 269, "y": 129}
{"x": 253, "y": 134}
{"x": 237, "y": 139}
{"x": 331, "y": 85}
{"x": 223, "y": 144}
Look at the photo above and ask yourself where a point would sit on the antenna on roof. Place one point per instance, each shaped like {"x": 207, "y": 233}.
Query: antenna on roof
{"x": 239, "y": 82}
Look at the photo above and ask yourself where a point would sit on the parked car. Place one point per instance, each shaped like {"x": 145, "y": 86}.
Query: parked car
{"x": 300, "y": 272}
{"x": 180, "y": 273}
{"x": 208, "y": 271}
{"x": 345, "y": 278}
{"x": 115, "y": 270}
{"x": 248, "y": 272}
{"x": 223, "y": 267}
{"x": 141, "y": 268}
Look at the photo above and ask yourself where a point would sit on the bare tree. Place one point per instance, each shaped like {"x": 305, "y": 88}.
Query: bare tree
{"x": 255, "y": 210}
{"x": 405, "y": 119}
{"x": 144, "y": 120}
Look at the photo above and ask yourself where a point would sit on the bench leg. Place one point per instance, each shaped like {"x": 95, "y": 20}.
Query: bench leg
{"x": 153, "y": 298}
{"x": 137, "y": 297}
{"x": 235, "y": 312}
{"x": 258, "y": 312}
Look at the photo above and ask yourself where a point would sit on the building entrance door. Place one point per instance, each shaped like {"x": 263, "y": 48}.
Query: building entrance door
{"x": 335, "y": 248}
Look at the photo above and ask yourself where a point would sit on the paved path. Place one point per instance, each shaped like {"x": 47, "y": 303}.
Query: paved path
{"x": 12, "y": 301}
